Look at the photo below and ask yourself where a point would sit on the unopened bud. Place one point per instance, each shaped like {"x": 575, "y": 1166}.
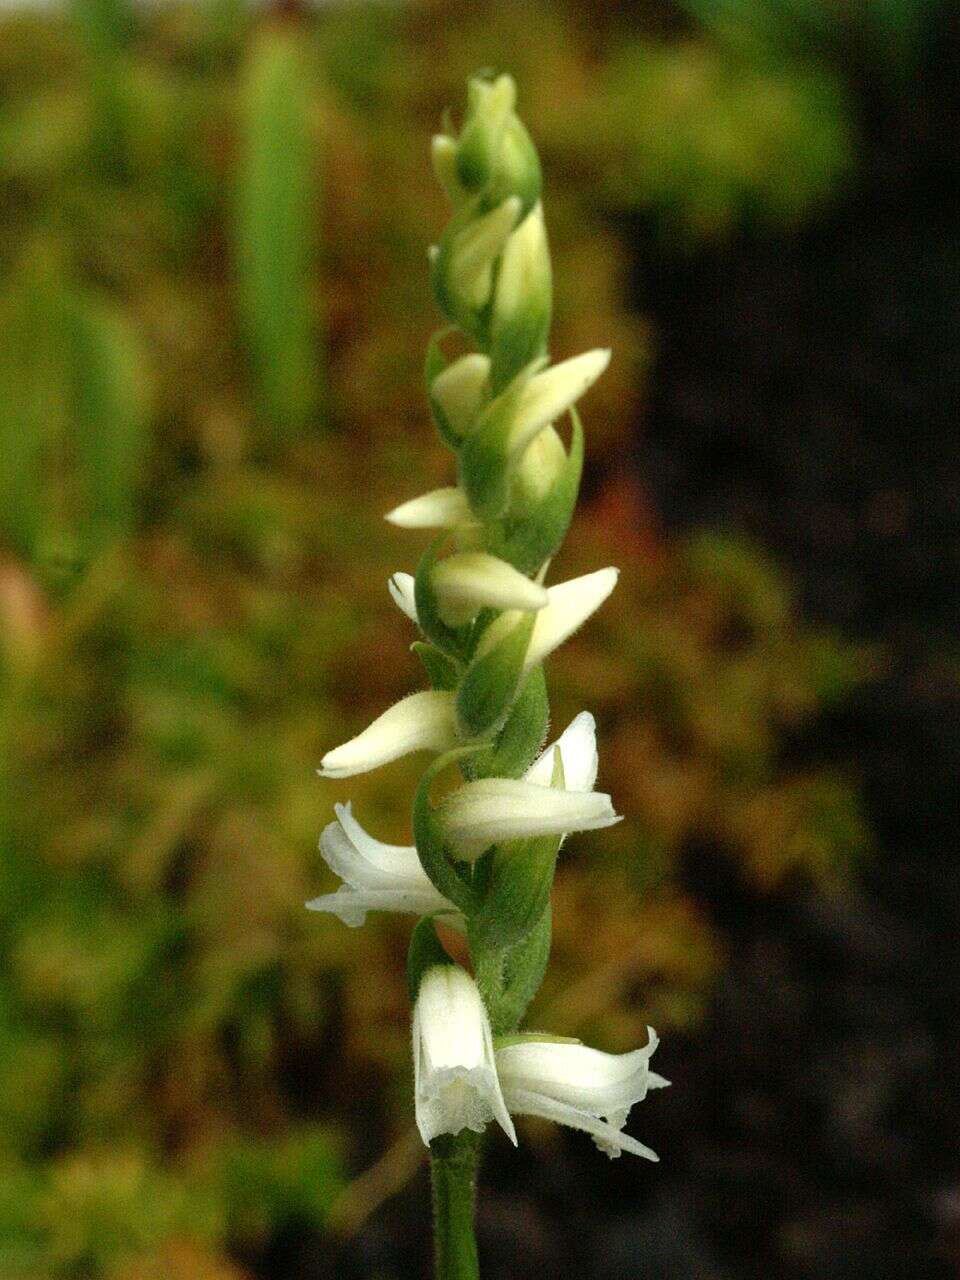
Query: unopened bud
{"x": 522, "y": 301}
{"x": 490, "y": 107}
{"x": 460, "y": 390}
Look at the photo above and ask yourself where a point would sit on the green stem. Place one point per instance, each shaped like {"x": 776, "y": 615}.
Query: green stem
{"x": 453, "y": 1171}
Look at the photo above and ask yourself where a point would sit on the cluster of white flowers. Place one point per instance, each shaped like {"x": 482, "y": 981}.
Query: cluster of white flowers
{"x": 484, "y": 855}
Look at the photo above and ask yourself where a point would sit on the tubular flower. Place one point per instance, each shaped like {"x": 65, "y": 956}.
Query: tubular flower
{"x": 440, "y": 509}
{"x": 577, "y": 1086}
{"x": 422, "y": 721}
{"x": 473, "y": 580}
{"x": 455, "y": 1082}
{"x": 376, "y": 876}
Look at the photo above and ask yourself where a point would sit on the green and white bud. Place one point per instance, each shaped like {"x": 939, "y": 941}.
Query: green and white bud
{"x": 440, "y": 509}
{"x": 539, "y": 468}
{"x": 459, "y": 392}
{"x": 551, "y": 393}
{"x": 490, "y": 107}
{"x": 570, "y": 605}
{"x": 473, "y": 580}
{"x": 522, "y": 301}
{"x": 466, "y": 264}
{"x": 423, "y": 721}
{"x": 494, "y": 810}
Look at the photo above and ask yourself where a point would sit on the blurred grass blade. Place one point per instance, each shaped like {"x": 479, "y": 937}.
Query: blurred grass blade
{"x": 23, "y": 412}
{"x": 274, "y": 252}
{"x": 109, "y": 418}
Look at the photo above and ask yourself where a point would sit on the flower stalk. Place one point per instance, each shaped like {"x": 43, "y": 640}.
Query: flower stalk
{"x": 485, "y": 851}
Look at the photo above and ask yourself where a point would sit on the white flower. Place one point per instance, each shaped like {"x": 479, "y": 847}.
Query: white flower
{"x": 376, "y": 876}
{"x": 460, "y": 390}
{"x": 578, "y": 751}
{"x": 455, "y": 1077}
{"x": 569, "y": 605}
{"x": 400, "y": 586}
{"x": 472, "y": 580}
{"x": 551, "y": 393}
{"x": 421, "y": 721}
{"x": 492, "y": 810}
{"x": 440, "y": 509}
{"x": 580, "y": 1087}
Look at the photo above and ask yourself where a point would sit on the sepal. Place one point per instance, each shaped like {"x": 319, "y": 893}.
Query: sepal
{"x": 521, "y": 737}
{"x": 441, "y": 671}
{"x": 490, "y": 685}
{"x": 449, "y": 877}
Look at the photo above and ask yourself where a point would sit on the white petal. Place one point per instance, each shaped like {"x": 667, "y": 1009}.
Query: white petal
{"x": 607, "y": 1136}
{"x": 492, "y": 810}
{"x": 440, "y": 509}
{"x": 422, "y": 721}
{"x": 366, "y": 863}
{"x": 474, "y": 580}
{"x": 352, "y": 905}
{"x": 400, "y": 587}
{"x": 549, "y": 394}
{"x": 570, "y": 605}
{"x": 460, "y": 389}
{"x": 455, "y": 1077}
{"x": 578, "y": 750}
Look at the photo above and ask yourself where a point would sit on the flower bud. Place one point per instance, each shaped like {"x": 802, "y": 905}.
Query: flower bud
{"x": 490, "y": 107}
{"x": 520, "y": 320}
{"x": 463, "y": 268}
{"x": 459, "y": 391}
{"x": 421, "y": 722}
{"x": 540, "y": 466}
{"x": 440, "y": 509}
{"x": 474, "y": 580}
{"x": 443, "y": 152}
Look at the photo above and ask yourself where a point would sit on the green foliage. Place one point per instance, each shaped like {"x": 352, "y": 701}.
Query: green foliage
{"x": 276, "y": 205}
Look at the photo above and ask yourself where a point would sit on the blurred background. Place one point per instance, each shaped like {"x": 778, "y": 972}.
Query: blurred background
{"x": 213, "y": 290}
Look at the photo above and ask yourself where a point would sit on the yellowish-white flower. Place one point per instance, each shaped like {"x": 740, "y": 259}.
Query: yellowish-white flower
{"x": 445, "y": 508}
{"x": 570, "y": 604}
{"x": 376, "y": 876}
{"x": 580, "y": 1087}
{"x": 423, "y": 721}
{"x": 474, "y": 580}
{"x": 461, "y": 389}
{"x": 454, "y": 1073}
